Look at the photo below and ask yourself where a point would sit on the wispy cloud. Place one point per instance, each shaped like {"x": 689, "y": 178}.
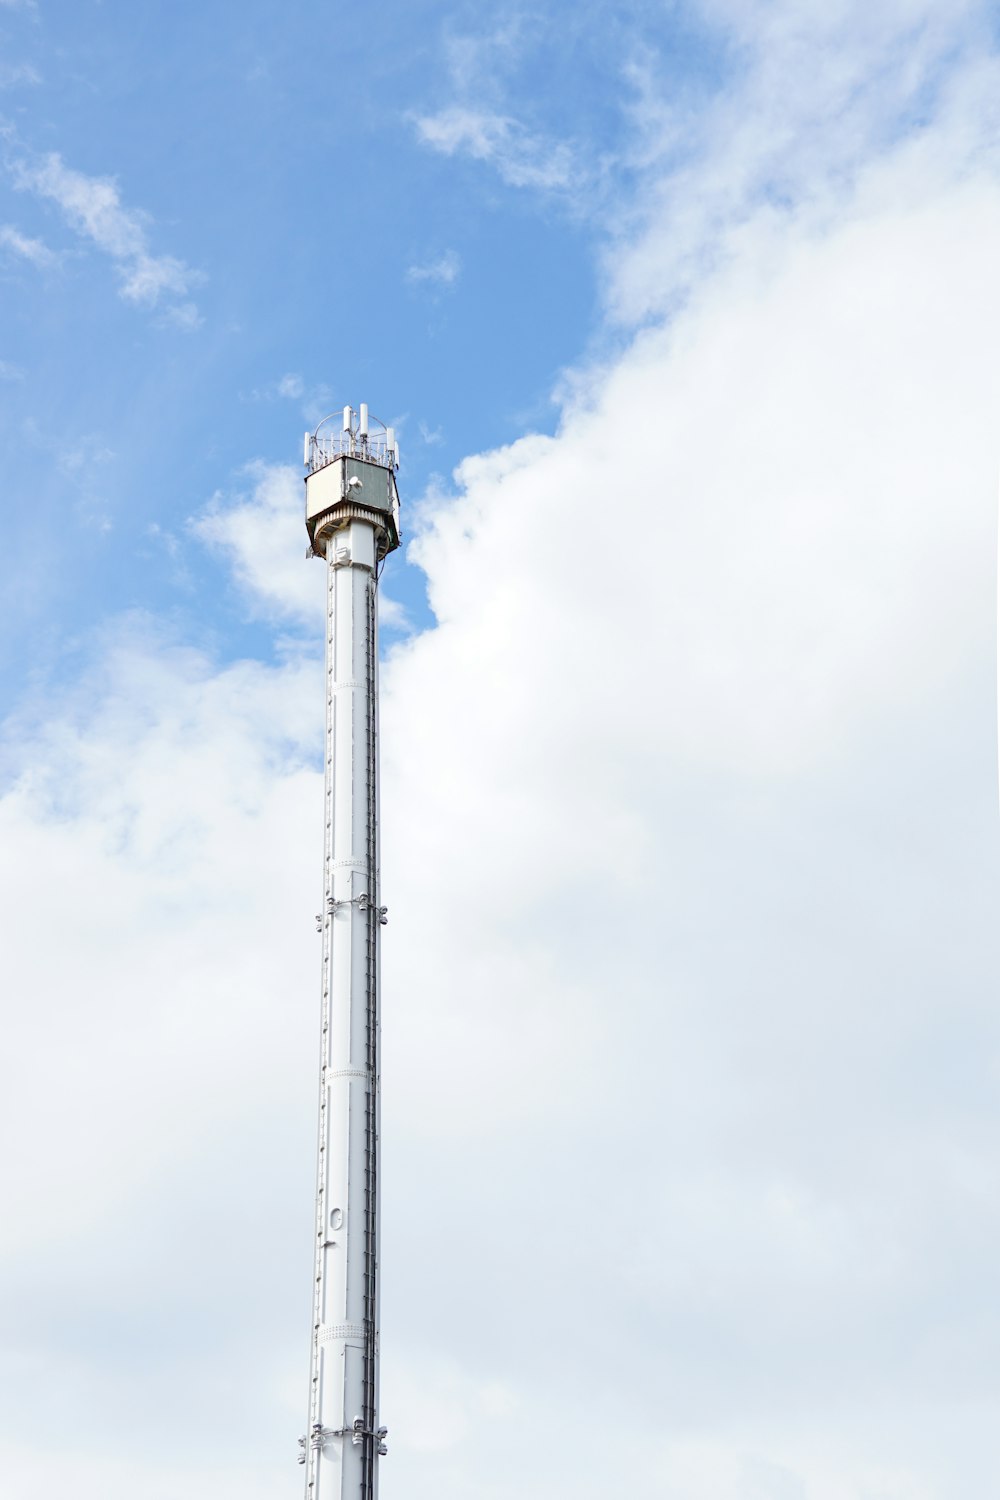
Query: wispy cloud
{"x": 815, "y": 91}
{"x": 10, "y": 372}
{"x": 183, "y": 315}
{"x": 478, "y": 120}
{"x": 521, "y": 157}
{"x": 289, "y": 387}
{"x": 475, "y": 60}
{"x": 36, "y": 251}
{"x": 168, "y": 549}
{"x": 166, "y": 539}
{"x": 444, "y": 271}
{"x": 316, "y": 400}
{"x": 12, "y": 74}
{"x": 93, "y": 207}
{"x": 86, "y": 463}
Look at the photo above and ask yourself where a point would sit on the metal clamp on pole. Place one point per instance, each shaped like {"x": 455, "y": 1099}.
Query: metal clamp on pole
{"x": 359, "y": 1432}
{"x": 317, "y": 1438}
{"x": 320, "y": 1434}
{"x": 362, "y": 902}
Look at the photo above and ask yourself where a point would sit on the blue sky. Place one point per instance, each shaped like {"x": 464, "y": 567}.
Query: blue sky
{"x": 321, "y": 245}
{"x": 687, "y": 315}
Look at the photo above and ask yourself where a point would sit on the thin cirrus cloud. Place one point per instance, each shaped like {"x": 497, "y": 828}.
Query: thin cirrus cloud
{"x": 93, "y": 208}
{"x": 444, "y": 271}
{"x": 288, "y": 387}
{"x": 36, "y": 251}
{"x": 521, "y": 157}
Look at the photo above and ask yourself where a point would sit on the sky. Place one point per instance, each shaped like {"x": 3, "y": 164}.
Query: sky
{"x": 686, "y": 315}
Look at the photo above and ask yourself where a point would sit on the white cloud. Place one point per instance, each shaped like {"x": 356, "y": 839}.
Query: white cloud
{"x": 691, "y": 964}
{"x": 392, "y": 615}
{"x": 477, "y": 122}
{"x": 690, "y": 974}
{"x": 741, "y": 479}
{"x": 444, "y": 271}
{"x": 114, "y": 1477}
{"x": 291, "y": 386}
{"x": 93, "y": 207}
{"x": 813, "y": 91}
{"x": 522, "y": 158}
{"x": 707, "y": 668}
{"x": 35, "y": 251}
{"x": 263, "y": 536}
{"x": 145, "y": 1014}
{"x": 9, "y": 371}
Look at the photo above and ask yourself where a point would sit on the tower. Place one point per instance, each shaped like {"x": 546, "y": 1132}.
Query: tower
{"x": 352, "y": 517}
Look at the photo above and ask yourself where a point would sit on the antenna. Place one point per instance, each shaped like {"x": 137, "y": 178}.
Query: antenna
{"x": 371, "y": 440}
{"x": 352, "y": 517}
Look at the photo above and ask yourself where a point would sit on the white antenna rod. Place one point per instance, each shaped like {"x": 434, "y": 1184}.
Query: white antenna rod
{"x": 363, "y": 421}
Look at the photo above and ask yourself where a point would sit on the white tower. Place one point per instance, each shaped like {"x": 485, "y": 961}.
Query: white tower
{"x": 352, "y": 516}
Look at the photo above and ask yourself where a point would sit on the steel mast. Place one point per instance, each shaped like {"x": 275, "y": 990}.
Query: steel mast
{"x": 352, "y": 517}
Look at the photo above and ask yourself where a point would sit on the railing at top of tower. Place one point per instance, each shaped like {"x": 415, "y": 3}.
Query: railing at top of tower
{"x": 358, "y": 437}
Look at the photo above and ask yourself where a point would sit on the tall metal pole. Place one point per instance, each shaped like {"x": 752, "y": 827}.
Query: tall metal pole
{"x": 352, "y": 516}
